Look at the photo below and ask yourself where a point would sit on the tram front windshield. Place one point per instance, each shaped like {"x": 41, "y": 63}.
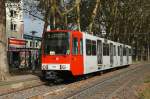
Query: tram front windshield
{"x": 56, "y": 43}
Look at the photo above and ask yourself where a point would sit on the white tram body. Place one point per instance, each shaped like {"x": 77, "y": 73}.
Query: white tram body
{"x": 110, "y": 59}
{"x": 80, "y": 53}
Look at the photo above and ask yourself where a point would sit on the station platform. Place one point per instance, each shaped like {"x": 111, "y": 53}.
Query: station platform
{"x": 20, "y": 82}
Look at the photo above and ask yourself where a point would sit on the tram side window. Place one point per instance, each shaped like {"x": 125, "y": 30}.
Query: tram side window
{"x": 88, "y": 47}
{"x": 127, "y": 51}
{"x": 81, "y": 46}
{"x": 121, "y": 50}
{"x": 105, "y": 49}
{"x": 118, "y": 51}
{"x": 75, "y": 46}
{"x": 130, "y": 52}
{"x": 124, "y": 51}
{"x": 114, "y": 50}
{"x": 93, "y": 47}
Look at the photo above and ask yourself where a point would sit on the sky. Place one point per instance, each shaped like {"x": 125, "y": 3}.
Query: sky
{"x": 33, "y": 24}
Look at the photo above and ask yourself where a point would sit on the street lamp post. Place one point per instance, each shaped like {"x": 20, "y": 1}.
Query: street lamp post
{"x": 33, "y": 51}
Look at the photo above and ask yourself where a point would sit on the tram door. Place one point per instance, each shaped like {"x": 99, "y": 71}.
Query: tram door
{"x": 121, "y": 55}
{"x": 77, "y": 53}
{"x": 127, "y": 49}
{"x": 99, "y": 54}
{"x": 111, "y": 54}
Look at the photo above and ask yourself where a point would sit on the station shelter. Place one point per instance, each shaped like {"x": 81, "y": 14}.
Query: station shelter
{"x": 20, "y": 57}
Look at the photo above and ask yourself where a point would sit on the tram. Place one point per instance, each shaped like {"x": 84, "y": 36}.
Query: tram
{"x": 70, "y": 52}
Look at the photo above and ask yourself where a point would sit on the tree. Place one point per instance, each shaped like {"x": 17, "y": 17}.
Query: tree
{"x": 4, "y": 70}
{"x": 93, "y": 15}
{"x": 122, "y": 20}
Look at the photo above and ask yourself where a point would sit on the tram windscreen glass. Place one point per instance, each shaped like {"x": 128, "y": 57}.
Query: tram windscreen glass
{"x": 56, "y": 43}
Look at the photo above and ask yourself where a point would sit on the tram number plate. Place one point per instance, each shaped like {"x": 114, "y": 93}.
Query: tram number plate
{"x": 54, "y": 67}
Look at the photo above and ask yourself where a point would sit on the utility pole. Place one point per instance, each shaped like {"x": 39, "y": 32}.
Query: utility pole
{"x": 33, "y": 51}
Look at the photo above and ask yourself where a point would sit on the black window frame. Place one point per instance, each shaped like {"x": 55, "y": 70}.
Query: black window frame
{"x": 106, "y": 49}
{"x": 55, "y": 36}
{"x": 114, "y": 48}
{"x": 91, "y": 47}
{"x": 13, "y": 13}
{"x": 76, "y": 50}
{"x": 13, "y": 26}
{"x": 130, "y": 52}
{"x": 88, "y": 47}
{"x": 118, "y": 50}
{"x": 81, "y": 46}
{"x": 30, "y": 43}
{"x": 124, "y": 51}
{"x": 94, "y": 48}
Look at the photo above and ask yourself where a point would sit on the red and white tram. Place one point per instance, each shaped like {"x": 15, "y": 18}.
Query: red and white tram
{"x": 77, "y": 53}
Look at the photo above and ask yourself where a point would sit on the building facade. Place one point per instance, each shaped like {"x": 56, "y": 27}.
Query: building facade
{"x": 32, "y": 41}
{"x": 14, "y": 19}
{"x": 23, "y": 49}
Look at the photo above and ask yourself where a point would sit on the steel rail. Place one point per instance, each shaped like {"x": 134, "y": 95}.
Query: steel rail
{"x": 122, "y": 74}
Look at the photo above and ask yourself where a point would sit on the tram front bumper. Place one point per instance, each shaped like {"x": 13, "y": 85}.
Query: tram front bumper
{"x": 55, "y": 67}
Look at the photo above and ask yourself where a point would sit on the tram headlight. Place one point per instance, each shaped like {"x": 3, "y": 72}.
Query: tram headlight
{"x": 44, "y": 66}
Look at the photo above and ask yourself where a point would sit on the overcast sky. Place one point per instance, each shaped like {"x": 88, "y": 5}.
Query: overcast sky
{"x": 33, "y": 24}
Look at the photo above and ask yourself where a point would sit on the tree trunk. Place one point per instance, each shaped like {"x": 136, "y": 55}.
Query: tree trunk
{"x": 136, "y": 57}
{"x": 142, "y": 53}
{"x": 148, "y": 58}
{"x": 66, "y": 19}
{"x": 148, "y": 46}
{"x": 78, "y": 14}
{"x": 94, "y": 13}
{"x": 4, "y": 69}
{"x": 46, "y": 22}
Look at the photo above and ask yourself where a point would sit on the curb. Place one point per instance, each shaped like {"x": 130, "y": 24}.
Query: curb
{"x": 14, "y": 86}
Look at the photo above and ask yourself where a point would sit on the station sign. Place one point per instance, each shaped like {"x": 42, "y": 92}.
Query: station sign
{"x": 16, "y": 43}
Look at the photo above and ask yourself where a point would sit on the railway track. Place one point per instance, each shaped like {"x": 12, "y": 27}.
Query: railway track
{"x": 56, "y": 91}
{"x": 94, "y": 86}
{"x": 77, "y": 93}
